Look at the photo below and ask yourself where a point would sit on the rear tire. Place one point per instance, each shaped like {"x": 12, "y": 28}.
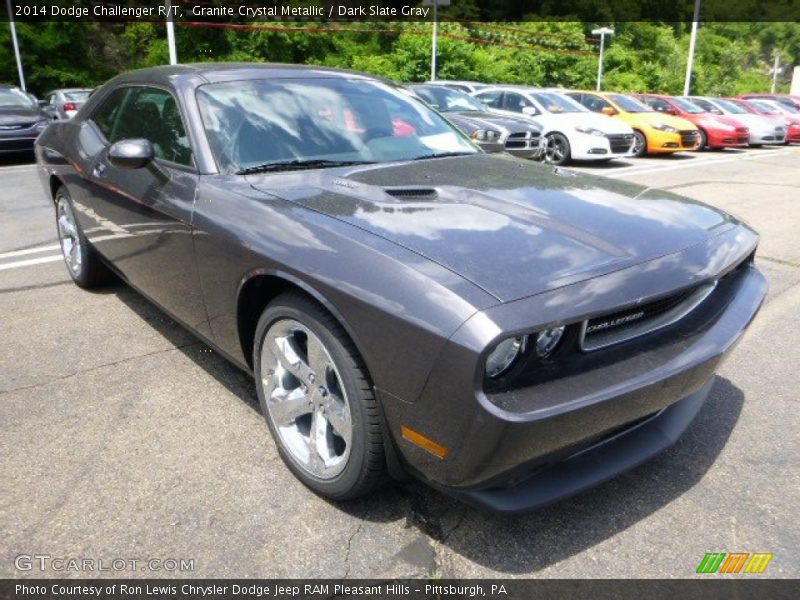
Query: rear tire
{"x": 317, "y": 398}
{"x": 639, "y": 143}
{"x": 81, "y": 260}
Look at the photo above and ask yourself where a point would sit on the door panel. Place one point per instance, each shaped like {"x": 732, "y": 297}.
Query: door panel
{"x": 142, "y": 218}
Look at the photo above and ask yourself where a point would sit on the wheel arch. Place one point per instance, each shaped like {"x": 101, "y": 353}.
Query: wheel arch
{"x": 260, "y": 287}
{"x": 55, "y": 182}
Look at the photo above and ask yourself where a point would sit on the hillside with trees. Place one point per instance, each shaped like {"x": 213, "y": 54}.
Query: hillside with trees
{"x": 642, "y": 56}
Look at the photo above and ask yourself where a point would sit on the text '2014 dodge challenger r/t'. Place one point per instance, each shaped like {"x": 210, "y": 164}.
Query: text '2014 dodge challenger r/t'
{"x": 510, "y": 333}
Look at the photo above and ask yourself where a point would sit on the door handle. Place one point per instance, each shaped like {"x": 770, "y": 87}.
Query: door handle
{"x": 99, "y": 170}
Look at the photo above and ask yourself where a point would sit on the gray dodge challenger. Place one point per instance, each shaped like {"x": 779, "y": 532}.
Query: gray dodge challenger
{"x": 508, "y": 332}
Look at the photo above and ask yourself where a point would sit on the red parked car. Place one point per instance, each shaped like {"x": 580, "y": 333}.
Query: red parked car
{"x": 758, "y": 106}
{"x": 716, "y": 131}
{"x": 787, "y": 99}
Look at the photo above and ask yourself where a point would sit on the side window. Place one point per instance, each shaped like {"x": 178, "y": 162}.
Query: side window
{"x": 595, "y": 103}
{"x": 105, "y": 117}
{"x": 153, "y": 114}
{"x": 658, "y": 104}
{"x": 492, "y": 99}
{"x": 51, "y": 99}
{"x": 515, "y": 102}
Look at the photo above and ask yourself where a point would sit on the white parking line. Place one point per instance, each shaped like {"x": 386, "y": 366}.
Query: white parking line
{"x": 36, "y": 250}
{"x": 30, "y": 262}
{"x": 645, "y": 169}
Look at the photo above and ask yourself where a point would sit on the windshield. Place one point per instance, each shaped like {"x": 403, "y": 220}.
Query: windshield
{"x": 448, "y": 100}
{"x": 731, "y": 107}
{"x": 12, "y": 97}
{"x": 556, "y": 103}
{"x": 77, "y": 95}
{"x": 687, "y": 106}
{"x": 629, "y": 104}
{"x": 321, "y": 121}
{"x": 764, "y": 107}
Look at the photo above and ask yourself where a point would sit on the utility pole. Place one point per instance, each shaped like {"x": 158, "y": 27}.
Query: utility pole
{"x": 602, "y": 32}
{"x": 15, "y": 42}
{"x": 775, "y": 69}
{"x": 435, "y": 36}
{"x": 173, "y": 53}
{"x": 692, "y": 41}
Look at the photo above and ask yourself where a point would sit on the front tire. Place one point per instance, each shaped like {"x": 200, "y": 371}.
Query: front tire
{"x": 557, "y": 150}
{"x": 317, "y": 398}
{"x": 703, "y": 141}
{"x": 82, "y": 261}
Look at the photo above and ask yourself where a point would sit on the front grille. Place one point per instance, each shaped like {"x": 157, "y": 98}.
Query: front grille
{"x": 641, "y": 319}
{"x": 689, "y": 138}
{"x": 523, "y": 140}
{"x": 16, "y": 126}
{"x": 620, "y": 143}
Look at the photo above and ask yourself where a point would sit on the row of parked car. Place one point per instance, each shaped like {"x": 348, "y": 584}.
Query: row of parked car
{"x": 23, "y": 116}
{"x": 562, "y": 125}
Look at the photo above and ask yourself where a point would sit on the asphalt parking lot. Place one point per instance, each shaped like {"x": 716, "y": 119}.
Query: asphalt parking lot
{"x": 125, "y": 437}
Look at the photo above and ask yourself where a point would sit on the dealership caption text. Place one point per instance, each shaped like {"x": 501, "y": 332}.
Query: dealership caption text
{"x": 260, "y": 590}
{"x": 251, "y": 12}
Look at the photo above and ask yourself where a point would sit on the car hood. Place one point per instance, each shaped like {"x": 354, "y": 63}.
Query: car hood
{"x": 754, "y": 122}
{"x": 513, "y": 228}
{"x": 487, "y": 120}
{"x": 19, "y": 114}
{"x": 589, "y": 119}
{"x": 657, "y": 118}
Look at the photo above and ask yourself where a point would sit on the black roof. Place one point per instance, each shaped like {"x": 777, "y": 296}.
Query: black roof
{"x": 219, "y": 72}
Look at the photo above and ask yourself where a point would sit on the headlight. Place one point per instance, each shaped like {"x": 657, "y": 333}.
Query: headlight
{"x": 589, "y": 130}
{"x": 504, "y": 355}
{"x": 485, "y": 135}
{"x": 547, "y": 341}
{"x": 667, "y": 128}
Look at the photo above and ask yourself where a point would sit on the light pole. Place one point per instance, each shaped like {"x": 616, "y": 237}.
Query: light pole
{"x": 435, "y": 35}
{"x": 16, "y": 45}
{"x": 602, "y": 32}
{"x": 173, "y": 53}
{"x": 692, "y": 40}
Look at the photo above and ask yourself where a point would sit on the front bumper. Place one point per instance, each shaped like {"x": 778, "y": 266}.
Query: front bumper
{"x": 516, "y": 450}
{"x": 768, "y": 136}
{"x": 661, "y": 142}
{"x": 720, "y": 138}
{"x": 17, "y": 143}
{"x": 600, "y": 147}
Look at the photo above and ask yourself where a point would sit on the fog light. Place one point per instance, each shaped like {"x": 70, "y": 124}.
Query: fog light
{"x": 504, "y": 355}
{"x": 547, "y": 340}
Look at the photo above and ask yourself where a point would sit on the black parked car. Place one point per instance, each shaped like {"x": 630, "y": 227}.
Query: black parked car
{"x": 507, "y": 331}
{"x": 21, "y": 120}
{"x": 494, "y": 132}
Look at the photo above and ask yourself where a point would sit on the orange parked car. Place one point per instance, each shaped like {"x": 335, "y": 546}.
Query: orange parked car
{"x": 655, "y": 133}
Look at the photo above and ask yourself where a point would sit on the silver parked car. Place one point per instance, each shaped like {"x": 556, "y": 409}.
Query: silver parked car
{"x": 63, "y": 104}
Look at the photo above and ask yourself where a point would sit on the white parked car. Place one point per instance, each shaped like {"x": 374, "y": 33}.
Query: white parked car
{"x": 571, "y": 131}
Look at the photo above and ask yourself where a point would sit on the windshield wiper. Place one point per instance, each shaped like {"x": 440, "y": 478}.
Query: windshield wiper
{"x": 298, "y": 164}
{"x": 443, "y": 155}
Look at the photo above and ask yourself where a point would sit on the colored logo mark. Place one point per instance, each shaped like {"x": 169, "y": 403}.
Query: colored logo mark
{"x": 734, "y": 562}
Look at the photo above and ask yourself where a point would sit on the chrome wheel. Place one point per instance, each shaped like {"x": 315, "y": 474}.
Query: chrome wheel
{"x": 556, "y": 150}
{"x": 68, "y": 236}
{"x": 305, "y": 399}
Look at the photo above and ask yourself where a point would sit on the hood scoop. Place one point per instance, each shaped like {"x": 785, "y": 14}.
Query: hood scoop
{"x": 412, "y": 192}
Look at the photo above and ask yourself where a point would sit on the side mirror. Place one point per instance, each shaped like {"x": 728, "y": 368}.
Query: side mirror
{"x": 528, "y": 110}
{"x": 131, "y": 154}
{"x": 608, "y": 110}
